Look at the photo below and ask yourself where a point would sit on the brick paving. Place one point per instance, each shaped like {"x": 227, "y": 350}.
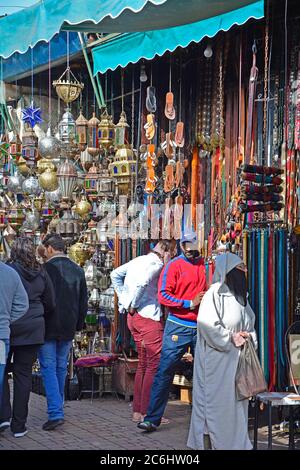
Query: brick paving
{"x": 105, "y": 425}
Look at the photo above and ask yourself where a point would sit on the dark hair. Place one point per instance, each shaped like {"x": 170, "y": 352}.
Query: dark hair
{"x": 166, "y": 244}
{"x": 55, "y": 241}
{"x": 23, "y": 252}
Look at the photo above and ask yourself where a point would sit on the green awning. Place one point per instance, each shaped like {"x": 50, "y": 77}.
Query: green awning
{"x": 43, "y": 20}
{"x": 130, "y": 48}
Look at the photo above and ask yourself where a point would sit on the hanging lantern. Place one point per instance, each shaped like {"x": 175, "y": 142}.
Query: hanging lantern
{"x": 14, "y": 184}
{"x": 48, "y": 212}
{"x": 31, "y": 186}
{"x": 67, "y": 179}
{"x": 23, "y": 169}
{"x": 121, "y": 130}
{"x": 81, "y": 129}
{"x": 67, "y": 86}
{"x": 49, "y": 146}
{"x": 80, "y": 179}
{"x": 67, "y": 128}
{"x": 79, "y": 253}
{"x": 54, "y": 197}
{"x": 45, "y": 164}
{"x": 2, "y": 218}
{"x": 15, "y": 217}
{"x": 83, "y": 207}
{"x": 124, "y": 164}
{"x": 29, "y": 145}
{"x": 32, "y": 220}
{"x": 93, "y": 147}
{"x": 91, "y": 181}
{"x": 15, "y": 147}
{"x": 106, "y": 130}
{"x": 86, "y": 159}
{"x": 48, "y": 180}
{"x": 38, "y": 202}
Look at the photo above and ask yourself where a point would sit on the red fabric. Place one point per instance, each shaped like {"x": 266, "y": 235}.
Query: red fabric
{"x": 147, "y": 335}
{"x": 179, "y": 282}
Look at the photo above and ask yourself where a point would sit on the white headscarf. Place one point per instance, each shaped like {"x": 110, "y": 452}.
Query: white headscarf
{"x": 225, "y": 263}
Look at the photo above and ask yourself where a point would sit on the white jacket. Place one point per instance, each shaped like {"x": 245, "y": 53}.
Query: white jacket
{"x": 136, "y": 284}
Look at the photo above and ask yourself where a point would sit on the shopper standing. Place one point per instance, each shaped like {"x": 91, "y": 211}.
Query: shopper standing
{"x": 182, "y": 285}
{"x": 71, "y": 308}
{"x": 27, "y": 334}
{"x": 225, "y": 319}
{"x": 136, "y": 284}
{"x": 13, "y": 305}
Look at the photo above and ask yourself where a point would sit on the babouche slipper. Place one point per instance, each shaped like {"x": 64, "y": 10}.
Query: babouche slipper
{"x": 169, "y": 108}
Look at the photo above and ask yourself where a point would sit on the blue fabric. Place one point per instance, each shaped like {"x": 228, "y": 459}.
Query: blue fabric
{"x": 53, "y": 358}
{"x": 171, "y": 353}
{"x": 45, "y": 19}
{"x": 181, "y": 321}
{"x": 19, "y": 64}
{"x": 131, "y": 47}
{"x": 4, "y": 348}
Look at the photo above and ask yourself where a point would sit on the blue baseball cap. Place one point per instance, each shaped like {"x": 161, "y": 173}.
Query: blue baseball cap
{"x": 189, "y": 237}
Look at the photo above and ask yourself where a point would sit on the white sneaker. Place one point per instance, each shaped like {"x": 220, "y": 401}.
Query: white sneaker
{"x": 4, "y": 425}
{"x": 20, "y": 434}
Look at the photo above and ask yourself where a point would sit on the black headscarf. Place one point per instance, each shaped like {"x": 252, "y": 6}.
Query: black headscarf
{"x": 237, "y": 284}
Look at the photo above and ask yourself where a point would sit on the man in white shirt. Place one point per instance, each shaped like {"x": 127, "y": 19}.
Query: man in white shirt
{"x": 136, "y": 284}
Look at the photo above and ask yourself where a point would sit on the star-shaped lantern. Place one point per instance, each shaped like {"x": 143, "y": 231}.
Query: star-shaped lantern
{"x": 31, "y": 115}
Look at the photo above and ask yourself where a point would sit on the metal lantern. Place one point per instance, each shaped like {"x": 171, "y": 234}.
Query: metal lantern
{"x": 93, "y": 145}
{"x": 80, "y": 179}
{"x": 15, "y": 147}
{"x": 86, "y": 159}
{"x": 15, "y": 217}
{"x": 121, "y": 130}
{"x": 79, "y": 253}
{"x": 67, "y": 179}
{"x": 2, "y": 218}
{"x": 48, "y": 212}
{"x": 32, "y": 221}
{"x": 45, "y": 164}
{"x": 81, "y": 129}
{"x": 23, "y": 169}
{"x": 91, "y": 182}
{"x": 48, "y": 180}
{"x": 14, "y": 184}
{"x": 83, "y": 207}
{"x": 124, "y": 164}
{"x": 29, "y": 145}
{"x": 67, "y": 86}
{"x": 106, "y": 130}
{"x": 54, "y": 197}
{"x": 49, "y": 146}
{"x": 31, "y": 187}
{"x": 67, "y": 128}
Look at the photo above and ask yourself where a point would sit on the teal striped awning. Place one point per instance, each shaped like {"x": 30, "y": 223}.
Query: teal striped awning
{"x": 131, "y": 47}
{"x": 44, "y": 19}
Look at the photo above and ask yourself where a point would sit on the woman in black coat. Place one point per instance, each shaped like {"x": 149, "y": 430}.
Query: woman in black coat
{"x": 27, "y": 334}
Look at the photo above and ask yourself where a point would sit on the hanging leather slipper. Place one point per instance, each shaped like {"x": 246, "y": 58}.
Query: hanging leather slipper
{"x": 169, "y": 108}
{"x": 151, "y": 99}
{"x": 179, "y": 134}
{"x": 169, "y": 146}
{"x": 150, "y": 127}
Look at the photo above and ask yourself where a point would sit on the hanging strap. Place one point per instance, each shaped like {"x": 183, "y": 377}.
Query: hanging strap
{"x": 251, "y": 101}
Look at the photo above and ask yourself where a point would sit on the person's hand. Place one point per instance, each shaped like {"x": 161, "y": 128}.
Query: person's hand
{"x": 167, "y": 257}
{"x": 132, "y": 310}
{"x": 238, "y": 339}
{"x": 197, "y": 299}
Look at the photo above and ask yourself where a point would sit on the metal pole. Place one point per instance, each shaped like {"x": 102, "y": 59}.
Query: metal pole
{"x": 99, "y": 102}
{"x": 100, "y": 91}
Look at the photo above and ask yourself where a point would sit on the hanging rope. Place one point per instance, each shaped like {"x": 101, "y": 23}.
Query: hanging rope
{"x": 49, "y": 81}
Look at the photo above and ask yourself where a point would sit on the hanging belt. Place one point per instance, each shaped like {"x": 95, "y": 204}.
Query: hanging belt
{"x": 271, "y": 329}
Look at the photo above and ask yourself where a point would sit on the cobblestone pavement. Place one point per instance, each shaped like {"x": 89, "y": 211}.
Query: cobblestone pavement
{"x": 105, "y": 425}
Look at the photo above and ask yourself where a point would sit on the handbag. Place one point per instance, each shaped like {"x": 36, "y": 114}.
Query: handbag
{"x": 249, "y": 379}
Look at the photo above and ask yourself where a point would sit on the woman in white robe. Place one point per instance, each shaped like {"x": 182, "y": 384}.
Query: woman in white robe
{"x": 225, "y": 318}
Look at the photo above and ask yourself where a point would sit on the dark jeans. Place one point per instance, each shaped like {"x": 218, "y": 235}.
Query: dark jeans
{"x": 176, "y": 340}
{"x": 23, "y": 359}
{"x": 4, "y": 348}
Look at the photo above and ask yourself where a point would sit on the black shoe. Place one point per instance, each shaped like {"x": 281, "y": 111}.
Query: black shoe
{"x": 147, "y": 426}
{"x": 53, "y": 424}
{"x": 4, "y": 425}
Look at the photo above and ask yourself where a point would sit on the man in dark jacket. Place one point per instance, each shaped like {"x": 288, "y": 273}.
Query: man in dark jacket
{"x": 71, "y": 307}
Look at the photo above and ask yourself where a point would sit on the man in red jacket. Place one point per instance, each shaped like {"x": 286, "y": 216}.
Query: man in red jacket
{"x": 182, "y": 285}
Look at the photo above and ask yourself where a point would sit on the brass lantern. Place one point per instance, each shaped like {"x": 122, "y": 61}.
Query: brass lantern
{"x": 48, "y": 180}
{"x": 67, "y": 179}
{"x": 123, "y": 168}
{"x": 83, "y": 207}
{"x": 81, "y": 129}
{"x": 91, "y": 182}
{"x": 29, "y": 145}
{"x": 45, "y": 164}
{"x": 121, "y": 130}
{"x": 67, "y": 86}
{"x": 79, "y": 253}
{"x": 15, "y": 217}
{"x": 106, "y": 130}
{"x": 93, "y": 147}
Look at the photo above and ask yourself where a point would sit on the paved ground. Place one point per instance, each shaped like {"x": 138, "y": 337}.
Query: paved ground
{"x": 105, "y": 425}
